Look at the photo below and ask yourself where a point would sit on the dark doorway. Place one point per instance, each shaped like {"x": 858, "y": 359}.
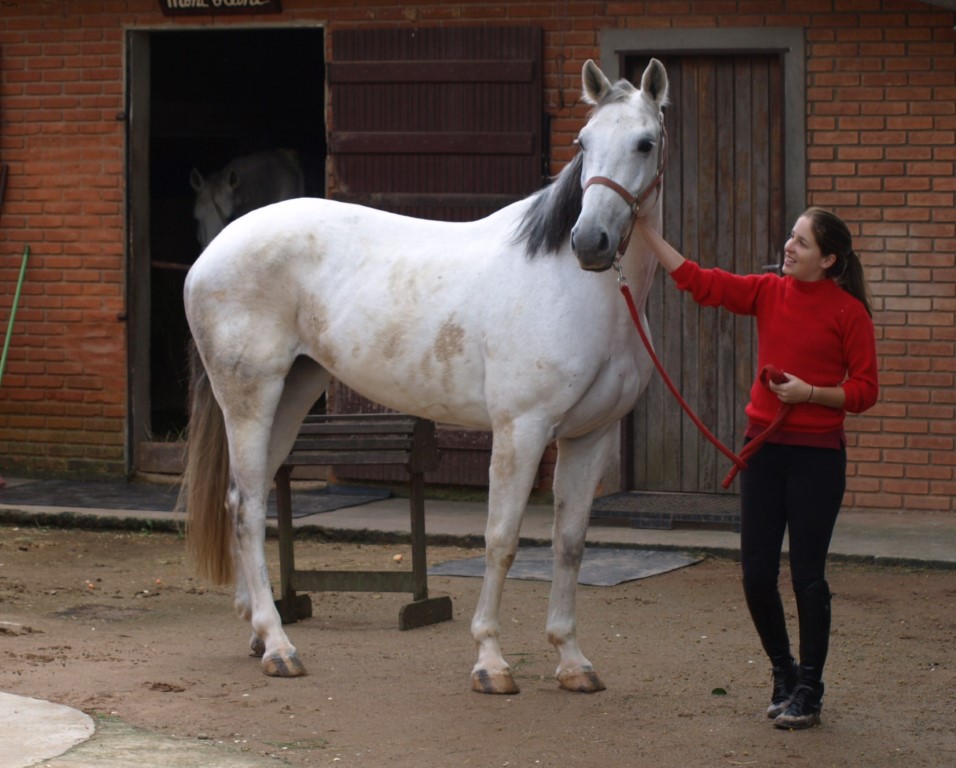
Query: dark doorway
{"x": 204, "y": 97}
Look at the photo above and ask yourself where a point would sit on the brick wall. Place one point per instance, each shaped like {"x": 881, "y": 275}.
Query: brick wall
{"x": 881, "y": 134}
{"x": 63, "y": 394}
{"x": 882, "y": 152}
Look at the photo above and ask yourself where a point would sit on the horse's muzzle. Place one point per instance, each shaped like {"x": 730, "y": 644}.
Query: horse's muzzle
{"x": 596, "y": 253}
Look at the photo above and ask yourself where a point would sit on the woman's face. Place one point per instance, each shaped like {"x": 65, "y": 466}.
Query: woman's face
{"x": 802, "y": 258}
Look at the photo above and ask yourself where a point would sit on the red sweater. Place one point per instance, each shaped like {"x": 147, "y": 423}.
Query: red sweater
{"x": 814, "y": 330}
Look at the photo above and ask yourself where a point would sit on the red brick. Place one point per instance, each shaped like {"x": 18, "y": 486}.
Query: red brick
{"x": 860, "y": 153}
{"x": 934, "y": 472}
{"x": 907, "y": 183}
{"x": 934, "y": 502}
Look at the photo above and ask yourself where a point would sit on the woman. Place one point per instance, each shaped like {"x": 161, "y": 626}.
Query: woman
{"x": 814, "y": 324}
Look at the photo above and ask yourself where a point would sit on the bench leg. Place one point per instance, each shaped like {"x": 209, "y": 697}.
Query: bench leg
{"x": 421, "y": 613}
{"x": 424, "y": 610}
{"x": 291, "y": 607}
{"x": 416, "y": 488}
{"x": 294, "y": 609}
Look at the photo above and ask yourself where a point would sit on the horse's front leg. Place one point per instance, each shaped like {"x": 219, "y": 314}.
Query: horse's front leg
{"x": 515, "y": 455}
{"x": 254, "y": 599}
{"x": 579, "y": 466}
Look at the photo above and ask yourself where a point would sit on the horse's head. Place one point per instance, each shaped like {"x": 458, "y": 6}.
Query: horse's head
{"x": 622, "y": 152}
{"x": 215, "y": 202}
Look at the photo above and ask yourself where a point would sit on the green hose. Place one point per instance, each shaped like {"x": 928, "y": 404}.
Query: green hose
{"x": 13, "y": 311}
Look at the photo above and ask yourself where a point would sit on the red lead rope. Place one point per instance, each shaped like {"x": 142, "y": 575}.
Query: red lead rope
{"x": 739, "y": 463}
{"x": 768, "y": 373}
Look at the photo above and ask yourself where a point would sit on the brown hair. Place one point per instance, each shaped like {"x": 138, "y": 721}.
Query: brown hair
{"x": 833, "y": 237}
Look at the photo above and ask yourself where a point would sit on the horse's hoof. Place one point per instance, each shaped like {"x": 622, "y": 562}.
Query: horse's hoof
{"x": 483, "y": 681}
{"x": 283, "y": 665}
{"x": 581, "y": 680}
{"x": 257, "y": 646}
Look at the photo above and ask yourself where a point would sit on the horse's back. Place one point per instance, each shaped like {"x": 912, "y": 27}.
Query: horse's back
{"x": 334, "y": 255}
{"x": 318, "y": 232}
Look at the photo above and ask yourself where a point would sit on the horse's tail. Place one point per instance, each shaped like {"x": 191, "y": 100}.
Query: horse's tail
{"x": 209, "y": 526}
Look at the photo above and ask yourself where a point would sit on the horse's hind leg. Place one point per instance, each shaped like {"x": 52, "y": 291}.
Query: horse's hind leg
{"x": 249, "y": 405}
{"x": 579, "y": 467}
{"x": 304, "y": 384}
{"x": 516, "y": 451}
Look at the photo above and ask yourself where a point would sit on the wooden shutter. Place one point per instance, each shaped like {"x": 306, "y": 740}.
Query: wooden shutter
{"x": 441, "y": 123}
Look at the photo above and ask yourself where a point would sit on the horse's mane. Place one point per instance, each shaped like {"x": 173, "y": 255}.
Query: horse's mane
{"x": 553, "y": 211}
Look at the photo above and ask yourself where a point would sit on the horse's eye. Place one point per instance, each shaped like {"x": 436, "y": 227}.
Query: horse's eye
{"x": 579, "y": 143}
{"x": 644, "y": 146}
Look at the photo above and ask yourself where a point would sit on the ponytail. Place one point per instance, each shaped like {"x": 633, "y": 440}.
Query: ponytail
{"x": 833, "y": 237}
{"x": 849, "y": 276}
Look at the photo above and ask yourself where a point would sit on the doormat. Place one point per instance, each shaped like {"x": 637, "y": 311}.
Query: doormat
{"x": 601, "y": 567}
{"x": 72, "y": 494}
{"x": 157, "y": 497}
{"x": 637, "y": 509}
{"x": 329, "y": 498}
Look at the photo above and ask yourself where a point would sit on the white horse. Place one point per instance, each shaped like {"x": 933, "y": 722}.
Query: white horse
{"x": 491, "y": 324}
{"x": 241, "y": 186}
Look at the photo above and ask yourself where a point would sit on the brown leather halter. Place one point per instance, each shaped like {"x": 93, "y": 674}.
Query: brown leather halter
{"x": 635, "y": 203}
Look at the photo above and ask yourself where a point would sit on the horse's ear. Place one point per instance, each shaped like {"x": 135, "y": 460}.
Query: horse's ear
{"x": 195, "y": 179}
{"x": 654, "y": 82}
{"x": 595, "y": 84}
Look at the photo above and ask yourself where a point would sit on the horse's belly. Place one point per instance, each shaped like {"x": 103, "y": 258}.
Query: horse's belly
{"x": 419, "y": 396}
{"x": 441, "y": 380}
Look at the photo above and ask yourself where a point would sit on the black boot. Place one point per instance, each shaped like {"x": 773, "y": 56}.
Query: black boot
{"x": 766, "y": 611}
{"x": 785, "y": 678}
{"x": 804, "y": 708}
{"x": 806, "y": 703}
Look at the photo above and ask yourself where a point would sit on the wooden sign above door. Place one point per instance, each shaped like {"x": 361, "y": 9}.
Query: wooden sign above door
{"x": 218, "y": 7}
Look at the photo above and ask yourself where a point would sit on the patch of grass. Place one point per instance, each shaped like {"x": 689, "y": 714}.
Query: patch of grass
{"x": 519, "y": 663}
{"x": 104, "y": 717}
{"x": 303, "y": 744}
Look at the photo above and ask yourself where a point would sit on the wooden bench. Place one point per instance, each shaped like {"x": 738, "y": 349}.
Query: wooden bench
{"x": 353, "y": 439}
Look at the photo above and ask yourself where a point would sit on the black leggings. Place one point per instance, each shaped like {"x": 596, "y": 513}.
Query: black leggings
{"x": 789, "y": 487}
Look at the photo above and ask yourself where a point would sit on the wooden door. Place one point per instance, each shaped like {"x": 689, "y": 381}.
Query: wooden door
{"x": 723, "y": 207}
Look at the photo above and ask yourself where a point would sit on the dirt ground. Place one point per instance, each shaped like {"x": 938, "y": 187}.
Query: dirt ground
{"x": 115, "y": 624}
